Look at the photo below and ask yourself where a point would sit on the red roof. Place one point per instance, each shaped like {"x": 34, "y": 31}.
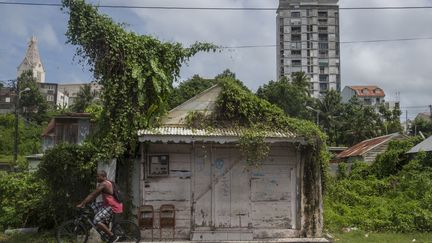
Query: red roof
{"x": 368, "y": 91}
{"x": 366, "y": 145}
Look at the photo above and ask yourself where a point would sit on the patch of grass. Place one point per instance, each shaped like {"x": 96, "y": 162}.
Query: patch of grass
{"x": 361, "y": 237}
{"x": 45, "y": 237}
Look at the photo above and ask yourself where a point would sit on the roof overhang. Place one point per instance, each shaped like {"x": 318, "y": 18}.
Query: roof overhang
{"x": 221, "y": 136}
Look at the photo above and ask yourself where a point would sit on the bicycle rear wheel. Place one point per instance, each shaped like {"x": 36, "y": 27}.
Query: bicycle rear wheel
{"x": 70, "y": 232}
{"x": 127, "y": 231}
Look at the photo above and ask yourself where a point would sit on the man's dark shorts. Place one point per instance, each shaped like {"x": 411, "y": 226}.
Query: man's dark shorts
{"x": 103, "y": 214}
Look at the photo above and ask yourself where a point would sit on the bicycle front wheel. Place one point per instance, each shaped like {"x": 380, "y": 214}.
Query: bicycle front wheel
{"x": 127, "y": 230}
{"x": 70, "y": 232}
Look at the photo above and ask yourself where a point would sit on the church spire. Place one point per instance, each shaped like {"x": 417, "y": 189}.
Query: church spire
{"x": 33, "y": 62}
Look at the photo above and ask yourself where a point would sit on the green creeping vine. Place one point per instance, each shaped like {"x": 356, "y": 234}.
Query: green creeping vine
{"x": 254, "y": 117}
{"x": 136, "y": 73}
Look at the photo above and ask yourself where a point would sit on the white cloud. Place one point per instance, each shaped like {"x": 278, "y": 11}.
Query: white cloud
{"x": 48, "y": 36}
{"x": 395, "y": 66}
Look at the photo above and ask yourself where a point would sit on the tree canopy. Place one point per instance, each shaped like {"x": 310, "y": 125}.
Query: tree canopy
{"x": 33, "y": 106}
{"x": 290, "y": 95}
{"x": 135, "y": 71}
{"x": 84, "y": 98}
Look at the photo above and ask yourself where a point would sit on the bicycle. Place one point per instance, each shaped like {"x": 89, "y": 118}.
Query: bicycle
{"x": 77, "y": 230}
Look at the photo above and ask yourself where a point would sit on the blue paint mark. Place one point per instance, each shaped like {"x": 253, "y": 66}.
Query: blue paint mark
{"x": 258, "y": 174}
{"x": 219, "y": 163}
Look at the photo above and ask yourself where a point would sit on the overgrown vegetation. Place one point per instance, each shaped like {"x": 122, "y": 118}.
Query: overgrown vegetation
{"x": 392, "y": 195}
{"x": 69, "y": 173}
{"x": 29, "y": 136}
{"x": 22, "y": 200}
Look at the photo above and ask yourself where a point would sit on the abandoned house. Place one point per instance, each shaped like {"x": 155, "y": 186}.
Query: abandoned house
{"x": 194, "y": 184}
{"x": 70, "y": 127}
{"x": 367, "y": 150}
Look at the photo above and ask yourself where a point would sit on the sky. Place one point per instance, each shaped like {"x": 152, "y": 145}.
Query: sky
{"x": 402, "y": 67}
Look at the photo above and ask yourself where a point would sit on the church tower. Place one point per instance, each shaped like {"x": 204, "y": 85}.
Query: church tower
{"x": 32, "y": 62}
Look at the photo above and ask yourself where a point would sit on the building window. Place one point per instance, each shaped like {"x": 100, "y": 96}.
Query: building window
{"x": 309, "y": 12}
{"x": 296, "y": 29}
{"x": 323, "y": 86}
{"x": 323, "y": 63}
{"x": 50, "y": 98}
{"x": 296, "y": 63}
{"x": 296, "y": 45}
{"x": 296, "y": 37}
{"x": 322, "y": 14}
{"x": 323, "y": 53}
{"x": 322, "y": 46}
{"x": 323, "y": 78}
{"x": 322, "y": 21}
{"x": 322, "y": 70}
{"x": 323, "y": 37}
{"x": 296, "y": 52}
{"x": 309, "y": 28}
{"x": 322, "y": 29}
{"x": 295, "y": 14}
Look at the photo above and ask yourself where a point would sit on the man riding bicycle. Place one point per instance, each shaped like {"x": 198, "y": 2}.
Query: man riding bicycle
{"x": 104, "y": 211}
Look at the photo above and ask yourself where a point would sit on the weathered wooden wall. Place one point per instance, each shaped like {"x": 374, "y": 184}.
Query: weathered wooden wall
{"x": 213, "y": 189}
{"x": 173, "y": 189}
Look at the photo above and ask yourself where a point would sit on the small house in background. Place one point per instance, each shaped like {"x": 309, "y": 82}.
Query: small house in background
{"x": 66, "y": 128}
{"x": 367, "y": 150}
{"x": 369, "y": 95}
{"x": 425, "y": 146}
{"x": 427, "y": 116}
{"x": 194, "y": 184}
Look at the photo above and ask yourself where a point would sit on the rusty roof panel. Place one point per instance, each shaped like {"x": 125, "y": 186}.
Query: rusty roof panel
{"x": 366, "y": 145}
{"x": 368, "y": 91}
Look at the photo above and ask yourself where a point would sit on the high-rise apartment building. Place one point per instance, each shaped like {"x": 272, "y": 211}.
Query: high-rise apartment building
{"x": 308, "y": 41}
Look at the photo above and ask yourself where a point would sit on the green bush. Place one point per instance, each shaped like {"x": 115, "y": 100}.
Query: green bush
{"x": 383, "y": 197}
{"x": 22, "y": 198}
{"x": 69, "y": 173}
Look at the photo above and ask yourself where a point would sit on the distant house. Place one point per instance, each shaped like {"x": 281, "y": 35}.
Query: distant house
{"x": 367, "y": 150}
{"x": 424, "y": 116}
{"x": 6, "y": 100}
{"x": 425, "y": 146}
{"x": 67, "y": 128}
{"x": 369, "y": 95}
{"x": 202, "y": 176}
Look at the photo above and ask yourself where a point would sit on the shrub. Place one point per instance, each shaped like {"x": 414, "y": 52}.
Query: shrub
{"x": 22, "y": 198}
{"x": 393, "y": 195}
{"x": 69, "y": 173}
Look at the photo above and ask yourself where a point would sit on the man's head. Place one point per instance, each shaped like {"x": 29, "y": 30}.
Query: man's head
{"x": 101, "y": 176}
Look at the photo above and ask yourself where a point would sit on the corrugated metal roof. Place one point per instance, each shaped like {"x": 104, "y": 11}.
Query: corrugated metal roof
{"x": 218, "y": 132}
{"x": 425, "y": 146}
{"x": 366, "y": 145}
{"x": 367, "y": 91}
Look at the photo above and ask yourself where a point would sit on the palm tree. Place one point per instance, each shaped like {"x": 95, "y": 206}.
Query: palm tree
{"x": 84, "y": 98}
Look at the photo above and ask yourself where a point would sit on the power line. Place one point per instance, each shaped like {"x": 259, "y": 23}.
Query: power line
{"x": 342, "y": 42}
{"x": 213, "y": 8}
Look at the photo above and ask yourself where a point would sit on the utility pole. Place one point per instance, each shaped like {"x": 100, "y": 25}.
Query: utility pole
{"x": 17, "y": 101}
{"x": 430, "y": 111}
{"x": 406, "y": 120}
